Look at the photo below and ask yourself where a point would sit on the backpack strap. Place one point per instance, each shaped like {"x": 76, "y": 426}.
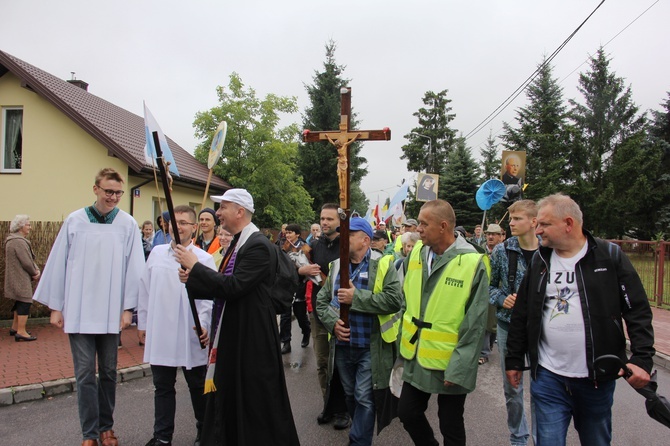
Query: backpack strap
{"x": 512, "y": 257}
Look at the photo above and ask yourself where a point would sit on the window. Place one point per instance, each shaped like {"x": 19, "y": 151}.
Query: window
{"x": 12, "y": 139}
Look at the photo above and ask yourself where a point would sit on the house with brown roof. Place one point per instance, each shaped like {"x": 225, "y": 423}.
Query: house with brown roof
{"x": 55, "y": 136}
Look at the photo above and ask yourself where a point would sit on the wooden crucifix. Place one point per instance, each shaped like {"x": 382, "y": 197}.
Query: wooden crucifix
{"x": 342, "y": 139}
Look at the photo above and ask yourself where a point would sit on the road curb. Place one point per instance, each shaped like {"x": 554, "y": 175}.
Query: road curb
{"x": 32, "y": 392}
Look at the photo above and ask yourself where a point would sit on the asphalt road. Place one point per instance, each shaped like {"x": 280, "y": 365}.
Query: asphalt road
{"x": 55, "y": 422}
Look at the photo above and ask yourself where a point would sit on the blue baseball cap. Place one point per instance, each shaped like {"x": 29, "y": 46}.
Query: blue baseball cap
{"x": 360, "y": 224}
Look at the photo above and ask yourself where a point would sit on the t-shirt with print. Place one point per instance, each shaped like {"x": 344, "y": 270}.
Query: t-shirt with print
{"x": 562, "y": 347}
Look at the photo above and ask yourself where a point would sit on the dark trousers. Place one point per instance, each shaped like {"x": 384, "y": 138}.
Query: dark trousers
{"x": 411, "y": 411}
{"x": 165, "y": 402}
{"x": 300, "y": 311}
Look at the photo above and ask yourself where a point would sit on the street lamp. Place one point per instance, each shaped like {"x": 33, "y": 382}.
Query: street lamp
{"x": 430, "y": 149}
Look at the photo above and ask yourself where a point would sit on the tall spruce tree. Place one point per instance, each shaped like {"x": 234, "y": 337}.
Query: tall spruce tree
{"x": 317, "y": 162}
{"x": 607, "y": 121}
{"x": 490, "y": 159}
{"x": 542, "y": 133}
{"x": 658, "y": 200}
{"x": 490, "y": 168}
{"x": 459, "y": 184}
{"x": 429, "y": 152}
{"x": 434, "y": 122}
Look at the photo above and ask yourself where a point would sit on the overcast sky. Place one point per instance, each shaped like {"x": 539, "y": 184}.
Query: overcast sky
{"x": 173, "y": 54}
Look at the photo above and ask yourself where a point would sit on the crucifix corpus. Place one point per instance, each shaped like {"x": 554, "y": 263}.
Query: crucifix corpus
{"x": 342, "y": 140}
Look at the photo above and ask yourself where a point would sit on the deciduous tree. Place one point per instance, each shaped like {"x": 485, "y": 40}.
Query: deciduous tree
{"x": 257, "y": 155}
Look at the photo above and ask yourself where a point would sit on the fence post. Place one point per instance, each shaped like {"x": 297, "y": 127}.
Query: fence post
{"x": 661, "y": 274}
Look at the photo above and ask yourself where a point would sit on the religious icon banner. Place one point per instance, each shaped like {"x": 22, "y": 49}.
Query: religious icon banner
{"x": 426, "y": 189}
{"x": 512, "y": 173}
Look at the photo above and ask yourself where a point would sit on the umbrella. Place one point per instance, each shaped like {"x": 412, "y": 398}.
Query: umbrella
{"x": 488, "y": 194}
{"x": 658, "y": 406}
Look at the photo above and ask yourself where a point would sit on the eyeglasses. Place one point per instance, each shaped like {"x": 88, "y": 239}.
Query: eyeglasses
{"x": 185, "y": 223}
{"x": 109, "y": 193}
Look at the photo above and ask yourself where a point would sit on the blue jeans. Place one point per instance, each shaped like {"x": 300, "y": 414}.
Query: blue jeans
{"x": 557, "y": 399}
{"x": 355, "y": 368}
{"x": 165, "y": 404}
{"x": 516, "y": 417}
{"x": 96, "y": 398}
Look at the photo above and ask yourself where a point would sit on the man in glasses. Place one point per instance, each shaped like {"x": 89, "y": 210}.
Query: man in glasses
{"x": 90, "y": 283}
{"x": 165, "y": 319}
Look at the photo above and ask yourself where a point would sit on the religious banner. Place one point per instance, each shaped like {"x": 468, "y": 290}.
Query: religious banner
{"x": 150, "y": 155}
{"x": 512, "y": 175}
{"x": 427, "y": 186}
{"x": 397, "y": 199}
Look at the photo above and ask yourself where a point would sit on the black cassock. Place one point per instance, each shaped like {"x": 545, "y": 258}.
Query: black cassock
{"x": 251, "y": 405}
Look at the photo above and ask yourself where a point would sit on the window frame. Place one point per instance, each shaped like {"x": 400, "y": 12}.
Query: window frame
{"x": 3, "y": 147}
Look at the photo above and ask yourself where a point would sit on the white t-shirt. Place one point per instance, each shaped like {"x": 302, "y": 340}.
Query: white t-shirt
{"x": 562, "y": 347}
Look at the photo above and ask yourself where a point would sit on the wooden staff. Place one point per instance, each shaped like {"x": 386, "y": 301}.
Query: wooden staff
{"x": 175, "y": 229}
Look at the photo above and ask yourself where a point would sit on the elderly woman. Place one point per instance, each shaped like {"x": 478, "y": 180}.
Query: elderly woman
{"x": 408, "y": 240}
{"x": 20, "y": 268}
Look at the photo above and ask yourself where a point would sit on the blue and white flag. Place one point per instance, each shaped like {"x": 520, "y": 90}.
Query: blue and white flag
{"x": 150, "y": 126}
{"x": 398, "y": 198}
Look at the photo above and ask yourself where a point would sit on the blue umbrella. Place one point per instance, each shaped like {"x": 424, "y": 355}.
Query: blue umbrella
{"x": 489, "y": 194}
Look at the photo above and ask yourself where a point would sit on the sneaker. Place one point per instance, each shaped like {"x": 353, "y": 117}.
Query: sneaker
{"x": 156, "y": 442}
{"x": 286, "y": 348}
{"x": 342, "y": 421}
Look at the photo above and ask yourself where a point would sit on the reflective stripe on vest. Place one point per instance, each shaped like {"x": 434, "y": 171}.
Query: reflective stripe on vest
{"x": 433, "y": 337}
{"x": 388, "y": 323}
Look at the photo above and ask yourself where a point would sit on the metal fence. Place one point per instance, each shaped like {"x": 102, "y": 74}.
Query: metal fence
{"x": 652, "y": 262}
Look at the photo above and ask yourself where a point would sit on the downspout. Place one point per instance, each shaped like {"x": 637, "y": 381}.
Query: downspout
{"x": 132, "y": 194}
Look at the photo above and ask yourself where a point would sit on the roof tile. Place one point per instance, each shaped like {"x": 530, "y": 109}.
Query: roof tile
{"x": 119, "y": 130}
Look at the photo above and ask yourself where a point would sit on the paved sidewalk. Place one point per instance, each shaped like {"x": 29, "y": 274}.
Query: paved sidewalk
{"x": 33, "y": 370}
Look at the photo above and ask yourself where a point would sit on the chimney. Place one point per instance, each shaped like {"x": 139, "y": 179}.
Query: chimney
{"x": 79, "y": 83}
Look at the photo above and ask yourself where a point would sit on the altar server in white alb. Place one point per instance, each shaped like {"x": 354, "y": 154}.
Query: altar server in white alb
{"x": 166, "y": 326}
{"x": 90, "y": 283}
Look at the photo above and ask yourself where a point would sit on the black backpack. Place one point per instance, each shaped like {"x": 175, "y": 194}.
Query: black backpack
{"x": 286, "y": 281}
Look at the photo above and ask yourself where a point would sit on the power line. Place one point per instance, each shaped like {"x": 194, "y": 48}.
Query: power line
{"x": 507, "y": 102}
{"x": 610, "y": 41}
{"x": 580, "y": 65}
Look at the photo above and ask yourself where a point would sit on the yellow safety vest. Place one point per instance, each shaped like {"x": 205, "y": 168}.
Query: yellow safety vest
{"x": 433, "y": 336}
{"x": 388, "y": 323}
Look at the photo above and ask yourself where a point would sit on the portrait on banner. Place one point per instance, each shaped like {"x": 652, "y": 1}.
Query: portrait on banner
{"x": 426, "y": 189}
{"x": 512, "y": 174}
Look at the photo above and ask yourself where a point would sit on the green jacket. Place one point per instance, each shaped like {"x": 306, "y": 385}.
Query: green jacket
{"x": 463, "y": 365}
{"x": 389, "y": 301}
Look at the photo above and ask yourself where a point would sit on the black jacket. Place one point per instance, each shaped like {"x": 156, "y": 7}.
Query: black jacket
{"x": 323, "y": 252}
{"x": 609, "y": 290}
